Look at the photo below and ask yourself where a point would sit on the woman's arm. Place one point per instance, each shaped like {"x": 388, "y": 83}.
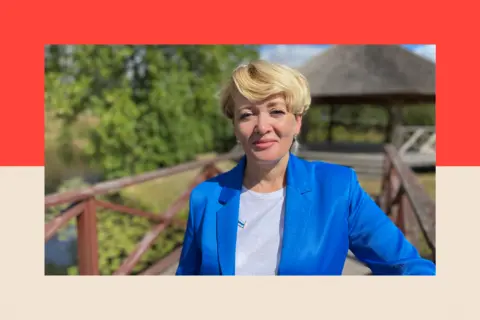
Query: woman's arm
{"x": 190, "y": 256}
{"x": 376, "y": 240}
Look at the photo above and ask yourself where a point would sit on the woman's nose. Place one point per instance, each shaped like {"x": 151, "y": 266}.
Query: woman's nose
{"x": 263, "y": 124}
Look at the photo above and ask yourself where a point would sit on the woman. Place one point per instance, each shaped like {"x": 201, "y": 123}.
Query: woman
{"x": 276, "y": 214}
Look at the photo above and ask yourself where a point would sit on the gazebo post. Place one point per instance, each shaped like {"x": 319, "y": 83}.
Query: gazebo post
{"x": 394, "y": 119}
{"x": 331, "y": 123}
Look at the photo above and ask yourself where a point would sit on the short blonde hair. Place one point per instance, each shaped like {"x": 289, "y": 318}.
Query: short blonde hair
{"x": 260, "y": 79}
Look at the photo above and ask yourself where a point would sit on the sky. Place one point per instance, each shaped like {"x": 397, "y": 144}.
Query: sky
{"x": 296, "y": 55}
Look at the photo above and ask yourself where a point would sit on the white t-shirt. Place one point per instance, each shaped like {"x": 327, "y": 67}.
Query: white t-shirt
{"x": 260, "y": 230}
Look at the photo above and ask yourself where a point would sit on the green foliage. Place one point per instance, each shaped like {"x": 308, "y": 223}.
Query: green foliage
{"x": 119, "y": 234}
{"x": 419, "y": 115}
{"x": 156, "y": 105}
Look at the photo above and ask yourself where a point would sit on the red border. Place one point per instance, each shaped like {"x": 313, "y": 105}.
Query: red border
{"x": 26, "y": 27}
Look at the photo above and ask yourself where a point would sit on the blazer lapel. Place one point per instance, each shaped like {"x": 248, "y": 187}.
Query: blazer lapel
{"x": 297, "y": 207}
{"x": 227, "y": 219}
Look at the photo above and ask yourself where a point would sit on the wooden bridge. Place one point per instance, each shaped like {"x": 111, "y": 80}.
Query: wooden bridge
{"x": 402, "y": 198}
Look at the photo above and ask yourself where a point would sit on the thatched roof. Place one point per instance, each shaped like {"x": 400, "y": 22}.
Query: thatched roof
{"x": 370, "y": 74}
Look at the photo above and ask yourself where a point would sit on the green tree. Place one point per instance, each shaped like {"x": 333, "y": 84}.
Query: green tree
{"x": 156, "y": 105}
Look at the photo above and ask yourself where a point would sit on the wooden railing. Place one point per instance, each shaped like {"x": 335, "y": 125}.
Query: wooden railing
{"x": 83, "y": 206}
{"x": 406, "y": 201}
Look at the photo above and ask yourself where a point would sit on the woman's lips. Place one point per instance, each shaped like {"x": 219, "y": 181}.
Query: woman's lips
{"x": 263, "y": 144}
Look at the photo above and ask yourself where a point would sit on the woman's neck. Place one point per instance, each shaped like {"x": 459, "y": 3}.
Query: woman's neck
{"x": 266, "y": 177}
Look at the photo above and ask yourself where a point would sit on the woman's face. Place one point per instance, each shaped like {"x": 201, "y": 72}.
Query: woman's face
{"x": 265, "y": 129}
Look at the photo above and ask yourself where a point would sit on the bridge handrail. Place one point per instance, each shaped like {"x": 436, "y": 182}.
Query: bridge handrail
{"x": 117, "y": 184}
{"x": 404, "y": 197}
{"x": 83, "y": 206}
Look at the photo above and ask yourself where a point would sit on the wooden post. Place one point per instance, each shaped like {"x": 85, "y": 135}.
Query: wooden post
{"x": 331, "y": 123}
{"x": 389, "y": 126}
{"x": 87, "y": 240}
{"x": 398, "y": 136}
{"x": 394, "y": 119}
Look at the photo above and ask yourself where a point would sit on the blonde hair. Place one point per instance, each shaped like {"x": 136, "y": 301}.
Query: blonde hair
{"x": 260, "y": 79}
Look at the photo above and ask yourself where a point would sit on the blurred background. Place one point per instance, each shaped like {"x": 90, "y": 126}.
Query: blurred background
{"x": 118, "y": 111}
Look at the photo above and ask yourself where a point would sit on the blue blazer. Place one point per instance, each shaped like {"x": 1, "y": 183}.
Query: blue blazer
{"x": 326, "y": 214}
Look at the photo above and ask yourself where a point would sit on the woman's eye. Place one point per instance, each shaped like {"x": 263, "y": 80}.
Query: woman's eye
{"x": 245, "y": 115}
{"x": 278, "y": 112}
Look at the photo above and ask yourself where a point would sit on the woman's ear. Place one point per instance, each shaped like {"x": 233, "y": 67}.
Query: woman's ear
{"x": 298, "y": 123}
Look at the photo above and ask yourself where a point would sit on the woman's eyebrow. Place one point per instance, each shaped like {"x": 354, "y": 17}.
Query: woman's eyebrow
{"x": 246, "y": 106}
{"x": 275, "y": 103}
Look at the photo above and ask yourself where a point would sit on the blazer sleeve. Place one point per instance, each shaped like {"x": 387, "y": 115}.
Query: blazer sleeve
{"x": 189, "y": 263}
{"x": 375, "y": 240}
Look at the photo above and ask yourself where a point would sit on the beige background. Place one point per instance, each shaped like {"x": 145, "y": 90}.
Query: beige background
{"x": 25, "y": 293}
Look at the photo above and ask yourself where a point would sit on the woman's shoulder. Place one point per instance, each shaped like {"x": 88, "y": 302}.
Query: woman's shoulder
{"x": 332, "y": 168}
{"x": 335, "y": 179}
{"x": 328, "y": 172}
{"x": 326, "y": 168}
{"x": 211, "y": 186}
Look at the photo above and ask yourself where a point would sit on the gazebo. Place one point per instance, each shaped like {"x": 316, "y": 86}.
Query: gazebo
{"x": 389, "y": 76}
